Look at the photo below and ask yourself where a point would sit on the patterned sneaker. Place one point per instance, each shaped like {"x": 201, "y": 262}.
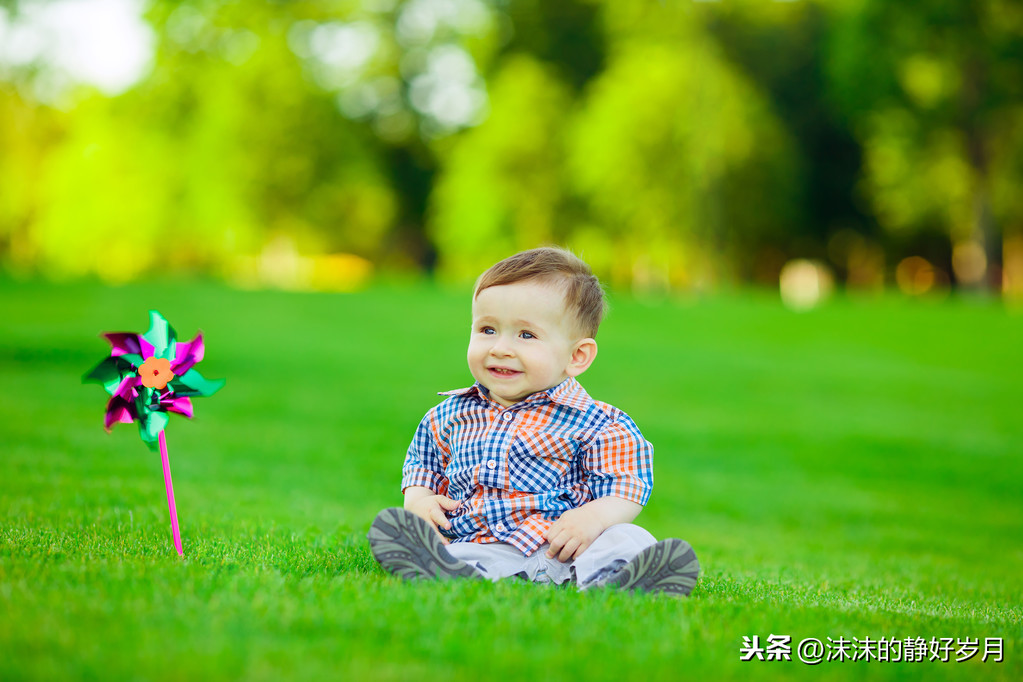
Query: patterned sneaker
{"x": 409, "y": 547}
{"x": 669, "y": 566}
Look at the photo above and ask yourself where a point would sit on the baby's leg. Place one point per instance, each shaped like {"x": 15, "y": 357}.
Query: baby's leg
{"x": 409, "y": 547}
{"x": 627, "y": 557}
{"x": 615, "y": 547}
{"x": 495, "y": 560}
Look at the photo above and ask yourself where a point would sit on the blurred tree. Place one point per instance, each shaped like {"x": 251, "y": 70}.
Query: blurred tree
{"x": 566, "y": 35}
{"x": 669, "y": 168}
{"x": 671, "y": 143}
{"x": 685, "y": 168}
{"x": 412, "y": 73}
{"x": 934, "y": 91}
{"x": 29, "y": 131}
{"x": 235, "y": 93}
{"x": 503, "y": 188}
{"x": 101, "y": 201}
{"x": 28, "y": 134}
{"x": 223, "y": 146}
{"x": 779, "y": 47}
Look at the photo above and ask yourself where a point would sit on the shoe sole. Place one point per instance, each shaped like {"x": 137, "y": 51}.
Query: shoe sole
{"x": 669, "y": 566}
{"x": 409, "y": 547}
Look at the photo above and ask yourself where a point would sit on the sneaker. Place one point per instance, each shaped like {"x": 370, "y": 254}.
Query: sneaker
{"x": 669, "y": 566}
{"x": 409, "y": 547}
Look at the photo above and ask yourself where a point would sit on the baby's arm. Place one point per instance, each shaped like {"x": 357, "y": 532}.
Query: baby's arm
{"x": 422, "y": 475}
{"x": 423, "y": 502}
{"x": 577, "y": 528}
{"x": 619, "y": 471}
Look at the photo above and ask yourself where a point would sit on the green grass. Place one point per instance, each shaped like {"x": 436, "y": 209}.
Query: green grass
{"x": 853, "y": 471}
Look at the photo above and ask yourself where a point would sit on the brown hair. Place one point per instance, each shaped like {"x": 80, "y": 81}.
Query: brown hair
{"x": 583, "y": 293}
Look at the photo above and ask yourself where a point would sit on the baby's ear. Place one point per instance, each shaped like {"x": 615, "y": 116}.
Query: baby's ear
{"x": 583, "y": 354}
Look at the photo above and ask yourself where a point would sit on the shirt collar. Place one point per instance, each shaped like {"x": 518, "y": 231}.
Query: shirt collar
{"x": 569, "y": 393}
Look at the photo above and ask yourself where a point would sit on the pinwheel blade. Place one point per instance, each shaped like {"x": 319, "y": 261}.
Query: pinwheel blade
{"x": 191, "y": 383}
{"x": 161, "y": 335}
{"x": 150, "y": 426}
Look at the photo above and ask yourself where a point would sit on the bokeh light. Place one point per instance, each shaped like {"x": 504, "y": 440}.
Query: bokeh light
{"x": 104, "y": 43}
{"x": 805, "y": 284}
{"x": 969, "y": 262}
{"x": 915, "y": 276}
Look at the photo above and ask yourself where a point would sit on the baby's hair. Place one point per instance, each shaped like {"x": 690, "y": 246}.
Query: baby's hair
{"x": 583, "y": 293}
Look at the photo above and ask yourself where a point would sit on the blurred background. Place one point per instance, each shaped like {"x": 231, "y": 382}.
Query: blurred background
{"x": 674, "y": 144}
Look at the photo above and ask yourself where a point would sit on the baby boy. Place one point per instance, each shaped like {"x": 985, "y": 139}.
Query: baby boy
{"x": 523, "y": 474}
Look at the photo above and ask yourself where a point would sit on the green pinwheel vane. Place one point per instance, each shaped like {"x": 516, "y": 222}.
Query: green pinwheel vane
{"x": 148, "y": 376}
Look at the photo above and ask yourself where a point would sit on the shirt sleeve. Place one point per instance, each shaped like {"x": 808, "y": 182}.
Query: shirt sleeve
{"x": 619, "y": 462}
{"x": 427, "y": 458}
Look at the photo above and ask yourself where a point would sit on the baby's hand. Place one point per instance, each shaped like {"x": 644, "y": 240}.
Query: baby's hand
{"x": 573, "y": 533}
{"x": 432, "y": 508}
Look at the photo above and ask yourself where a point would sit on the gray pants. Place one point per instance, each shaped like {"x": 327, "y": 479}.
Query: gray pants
{"x": 612, "y": 549}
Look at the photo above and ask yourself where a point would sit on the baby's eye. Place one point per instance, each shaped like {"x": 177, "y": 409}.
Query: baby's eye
{"x": 527, "y": 335}
{"x": 487, "y": 330}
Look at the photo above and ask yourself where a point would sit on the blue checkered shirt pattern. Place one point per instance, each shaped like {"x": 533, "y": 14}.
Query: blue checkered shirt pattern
{"x": 516, "y": 470}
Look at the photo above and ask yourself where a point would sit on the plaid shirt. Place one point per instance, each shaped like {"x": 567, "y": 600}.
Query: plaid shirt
{"x": 515, "y": 470}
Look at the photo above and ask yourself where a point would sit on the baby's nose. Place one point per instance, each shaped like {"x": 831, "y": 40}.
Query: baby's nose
{"x": 500, "y": 347}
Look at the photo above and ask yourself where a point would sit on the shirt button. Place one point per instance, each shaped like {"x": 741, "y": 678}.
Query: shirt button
{"x": 491, "y": 464}
{"x": 500, "y": 527}
{"x": 507, "y": 416}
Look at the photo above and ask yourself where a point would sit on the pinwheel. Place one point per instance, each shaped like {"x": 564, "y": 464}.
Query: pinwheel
{"x": 149, "y": 376}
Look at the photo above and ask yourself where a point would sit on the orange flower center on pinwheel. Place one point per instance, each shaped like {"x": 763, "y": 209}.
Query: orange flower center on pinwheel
{"x": 155, "y": 373}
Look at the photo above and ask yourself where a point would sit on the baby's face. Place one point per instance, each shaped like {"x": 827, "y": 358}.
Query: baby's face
{"x": 522, "y": 340}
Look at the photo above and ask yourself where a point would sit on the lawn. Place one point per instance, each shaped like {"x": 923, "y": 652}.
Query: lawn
{"x": 851, "y": 472}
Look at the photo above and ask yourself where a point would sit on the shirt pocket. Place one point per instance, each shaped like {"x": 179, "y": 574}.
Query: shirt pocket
{"x": 542, "y": 462}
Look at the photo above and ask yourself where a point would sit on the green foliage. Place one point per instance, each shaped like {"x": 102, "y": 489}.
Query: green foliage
{"x": 187, "y": 172}
{"x": 675, "y": 144}
{"x": 504, "y": 188}
{"x": 566, "y": 35}
{"x": 670, "y": 126}
{"x": 28, "y": 135}
{"x": 705, "y": 166}
{"x": 934, "y": 91}
{"x": 845, "y": 472}
{"x": 101, "y": 203}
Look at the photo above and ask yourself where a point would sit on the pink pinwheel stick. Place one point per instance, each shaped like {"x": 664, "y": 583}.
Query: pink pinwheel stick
{"x": 170, "y": 494}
